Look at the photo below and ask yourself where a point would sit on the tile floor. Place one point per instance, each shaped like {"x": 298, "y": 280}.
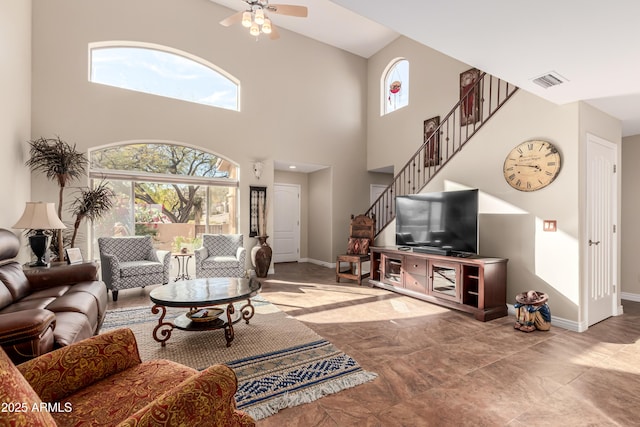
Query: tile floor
{"x": 438, "y": 367}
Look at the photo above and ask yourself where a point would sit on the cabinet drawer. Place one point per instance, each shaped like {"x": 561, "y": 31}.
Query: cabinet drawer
{"x": 415, "y": 266}
{"x": 415, "y": 282}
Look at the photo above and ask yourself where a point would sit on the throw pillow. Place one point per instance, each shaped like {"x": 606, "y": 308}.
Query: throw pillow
{"x": 357, "y": 246}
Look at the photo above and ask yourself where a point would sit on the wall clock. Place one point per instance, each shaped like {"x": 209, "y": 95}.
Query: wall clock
{"x": 532, "y": 165}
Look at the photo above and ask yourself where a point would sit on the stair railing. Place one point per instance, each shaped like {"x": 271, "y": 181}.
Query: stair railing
{"x": 476, "y": 106}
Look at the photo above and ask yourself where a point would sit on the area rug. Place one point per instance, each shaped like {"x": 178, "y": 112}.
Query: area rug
{"x": 279, "y": 361}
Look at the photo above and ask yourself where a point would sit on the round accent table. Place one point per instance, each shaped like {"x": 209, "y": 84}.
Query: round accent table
{"x": 205, "y": 292}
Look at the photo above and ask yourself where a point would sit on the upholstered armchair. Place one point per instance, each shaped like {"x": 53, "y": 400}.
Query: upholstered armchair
{"x": 221, "y": 255}
{"x": 132, "y": 262}
{"x": 102, "y": 381}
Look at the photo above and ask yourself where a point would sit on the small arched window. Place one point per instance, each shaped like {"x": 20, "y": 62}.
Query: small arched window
{"x": 395, "y": 86}
{"x": 160, "y": 70}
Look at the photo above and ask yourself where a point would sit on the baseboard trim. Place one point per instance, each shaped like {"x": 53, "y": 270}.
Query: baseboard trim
{"x": 630, "y": 297}
{"x": 321, "y": 263}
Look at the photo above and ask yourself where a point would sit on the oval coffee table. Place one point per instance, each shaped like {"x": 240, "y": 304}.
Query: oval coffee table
{"x": 205, "y": 292}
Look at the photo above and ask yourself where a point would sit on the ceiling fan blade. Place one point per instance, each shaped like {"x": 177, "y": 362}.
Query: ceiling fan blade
{"x": 275, "y": 35}
{"x": 288, "y": 9}
{"x": 236, "y": 17}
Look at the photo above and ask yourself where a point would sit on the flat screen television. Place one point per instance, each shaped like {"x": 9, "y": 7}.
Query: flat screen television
{"x": 446, "y": 222}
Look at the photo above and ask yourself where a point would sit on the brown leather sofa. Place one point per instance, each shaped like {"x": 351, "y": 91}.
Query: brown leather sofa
{"x": 46, "y": 308}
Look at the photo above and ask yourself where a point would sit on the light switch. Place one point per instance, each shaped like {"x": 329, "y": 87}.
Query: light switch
{"x": 549, "y": 225}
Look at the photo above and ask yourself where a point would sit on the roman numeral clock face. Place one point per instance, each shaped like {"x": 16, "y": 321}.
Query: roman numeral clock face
{"x": 532, "y": 165}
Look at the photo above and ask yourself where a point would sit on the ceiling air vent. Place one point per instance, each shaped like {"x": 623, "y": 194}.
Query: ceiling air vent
{"x": 549, "y": 79}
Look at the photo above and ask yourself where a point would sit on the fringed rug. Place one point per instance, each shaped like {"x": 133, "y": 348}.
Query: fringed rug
{"x": 278, "y": 360}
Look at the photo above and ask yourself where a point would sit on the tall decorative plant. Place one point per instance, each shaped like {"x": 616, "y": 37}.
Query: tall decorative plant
{"x": 91, "y": 204}
{"x": 60, "y": 162}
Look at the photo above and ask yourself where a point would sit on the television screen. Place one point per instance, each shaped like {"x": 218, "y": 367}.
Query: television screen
{"x": 446, "y": 220}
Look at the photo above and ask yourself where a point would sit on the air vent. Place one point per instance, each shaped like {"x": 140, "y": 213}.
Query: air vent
{"x": 549, "y": 79}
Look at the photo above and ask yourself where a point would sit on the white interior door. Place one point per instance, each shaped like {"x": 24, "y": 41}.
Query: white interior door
{"x": 375, "y": 192}
{"x": 286, "y": 223}
{"x": 601, "y": 229}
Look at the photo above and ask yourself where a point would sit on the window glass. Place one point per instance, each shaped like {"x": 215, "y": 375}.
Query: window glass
{"x": 395, "y": 87}
{"x": 159, "y": 72}
{"x": 171, "y": 192}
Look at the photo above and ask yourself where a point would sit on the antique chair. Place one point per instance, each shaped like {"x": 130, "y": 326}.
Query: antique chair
{"x": 132, "y": 262}
{"x": 221, "y": 255}
{"x": 102, "y": 381}
{"x": 361, "y": 233}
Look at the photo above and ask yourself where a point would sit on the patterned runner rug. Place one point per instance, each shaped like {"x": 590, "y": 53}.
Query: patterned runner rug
{"x": 279, "y": 361}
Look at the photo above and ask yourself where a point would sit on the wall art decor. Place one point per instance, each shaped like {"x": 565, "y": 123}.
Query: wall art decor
{"x": 469, "y": 97}
{"x": 432, "y": 141}
{"x": 257, "y": 211}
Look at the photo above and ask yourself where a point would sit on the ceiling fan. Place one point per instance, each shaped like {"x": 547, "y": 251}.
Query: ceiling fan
{"x": 255, "y": 17}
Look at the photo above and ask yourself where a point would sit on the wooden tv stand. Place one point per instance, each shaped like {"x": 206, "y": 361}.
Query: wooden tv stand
{"x": 475, "y": 284}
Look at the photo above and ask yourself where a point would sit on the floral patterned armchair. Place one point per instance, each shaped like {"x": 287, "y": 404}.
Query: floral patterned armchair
{"x": 102, "y": 381}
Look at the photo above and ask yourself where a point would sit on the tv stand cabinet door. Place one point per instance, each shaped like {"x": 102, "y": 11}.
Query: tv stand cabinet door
{"x": 391, "y": 269}
{"x": 444, "y": 280}
{"x": 415, "y": 274}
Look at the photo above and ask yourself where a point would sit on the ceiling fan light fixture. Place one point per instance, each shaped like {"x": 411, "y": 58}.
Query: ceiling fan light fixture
{"x": 246, "y": 19}
{"x": 266, "y": 26}
{"x": 254, "y": 30}
{"x": 259, "y": 16}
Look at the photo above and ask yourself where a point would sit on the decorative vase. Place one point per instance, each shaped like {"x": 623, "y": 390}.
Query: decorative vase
{"x": 261, "y": 257}
{"x": 254, "y": 251}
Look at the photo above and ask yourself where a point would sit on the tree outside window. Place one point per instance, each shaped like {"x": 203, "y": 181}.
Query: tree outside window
{"x": 173, "y": 193}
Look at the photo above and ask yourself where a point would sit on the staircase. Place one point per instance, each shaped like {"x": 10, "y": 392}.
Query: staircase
{"x": 477, "y": 105}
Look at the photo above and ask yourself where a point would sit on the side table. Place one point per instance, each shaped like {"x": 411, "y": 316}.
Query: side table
{"x": 57, "y": 264}
{"x": 183, "y": 264}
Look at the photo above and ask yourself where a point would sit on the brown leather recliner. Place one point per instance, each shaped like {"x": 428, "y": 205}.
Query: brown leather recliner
{"x": 45, "y": 308}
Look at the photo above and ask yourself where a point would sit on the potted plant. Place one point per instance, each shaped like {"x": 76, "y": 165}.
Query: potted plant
{"x": 91, "y": 204}
{"x": 60, "y": 162}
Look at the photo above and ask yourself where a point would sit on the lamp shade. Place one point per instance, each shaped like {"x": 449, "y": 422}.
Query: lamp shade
{"x": 39, "y": 216}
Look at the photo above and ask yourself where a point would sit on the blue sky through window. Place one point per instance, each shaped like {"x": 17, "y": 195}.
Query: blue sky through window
{"x": 162, "y": 73}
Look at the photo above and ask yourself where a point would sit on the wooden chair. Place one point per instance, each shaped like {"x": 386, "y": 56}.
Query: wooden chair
{"x": 361, "y": 233}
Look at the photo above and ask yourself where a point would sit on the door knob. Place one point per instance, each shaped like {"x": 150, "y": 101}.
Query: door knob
{"x": 591, "y": 242}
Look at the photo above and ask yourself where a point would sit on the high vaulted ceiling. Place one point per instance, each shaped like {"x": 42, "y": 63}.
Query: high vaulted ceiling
{"x": 591, "y": 44}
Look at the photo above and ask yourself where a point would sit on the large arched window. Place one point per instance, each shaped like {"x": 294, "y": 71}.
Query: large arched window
{"x": 163, "y": 71}
{"x": 395, "y": 86}
{"x": 172, "y": 192}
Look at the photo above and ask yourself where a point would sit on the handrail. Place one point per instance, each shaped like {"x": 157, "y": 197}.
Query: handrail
{"x": 477, "y": 105}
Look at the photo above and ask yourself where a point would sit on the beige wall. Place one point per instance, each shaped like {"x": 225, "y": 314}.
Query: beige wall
{"x": 321, "y": 201}
{"x": 301, "y": 100}
{"x": 630, "y": 228}
{"x": 434, "y": 78}
{"x": 510, "y": 221}
{"x": 15, "y": 110}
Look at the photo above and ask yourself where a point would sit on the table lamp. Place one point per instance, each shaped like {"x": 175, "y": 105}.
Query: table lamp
{"x": 39, "y": 216}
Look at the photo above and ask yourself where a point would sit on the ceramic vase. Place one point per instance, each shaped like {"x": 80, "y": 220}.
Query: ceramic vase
{"x": 261, "y": 257}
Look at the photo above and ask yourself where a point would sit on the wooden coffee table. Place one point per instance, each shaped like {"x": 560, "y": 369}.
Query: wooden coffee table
{"x": 203, "y": 293}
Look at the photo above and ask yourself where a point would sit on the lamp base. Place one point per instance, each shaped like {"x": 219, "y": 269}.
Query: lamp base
{"x": 39, "y": 264}
{"x": 39, "y": 243}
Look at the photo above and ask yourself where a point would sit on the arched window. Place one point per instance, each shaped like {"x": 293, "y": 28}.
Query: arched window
{"x": 395, "y": 86}
{"x": 172, "y": 192}
{"x": 160, "y": 70}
